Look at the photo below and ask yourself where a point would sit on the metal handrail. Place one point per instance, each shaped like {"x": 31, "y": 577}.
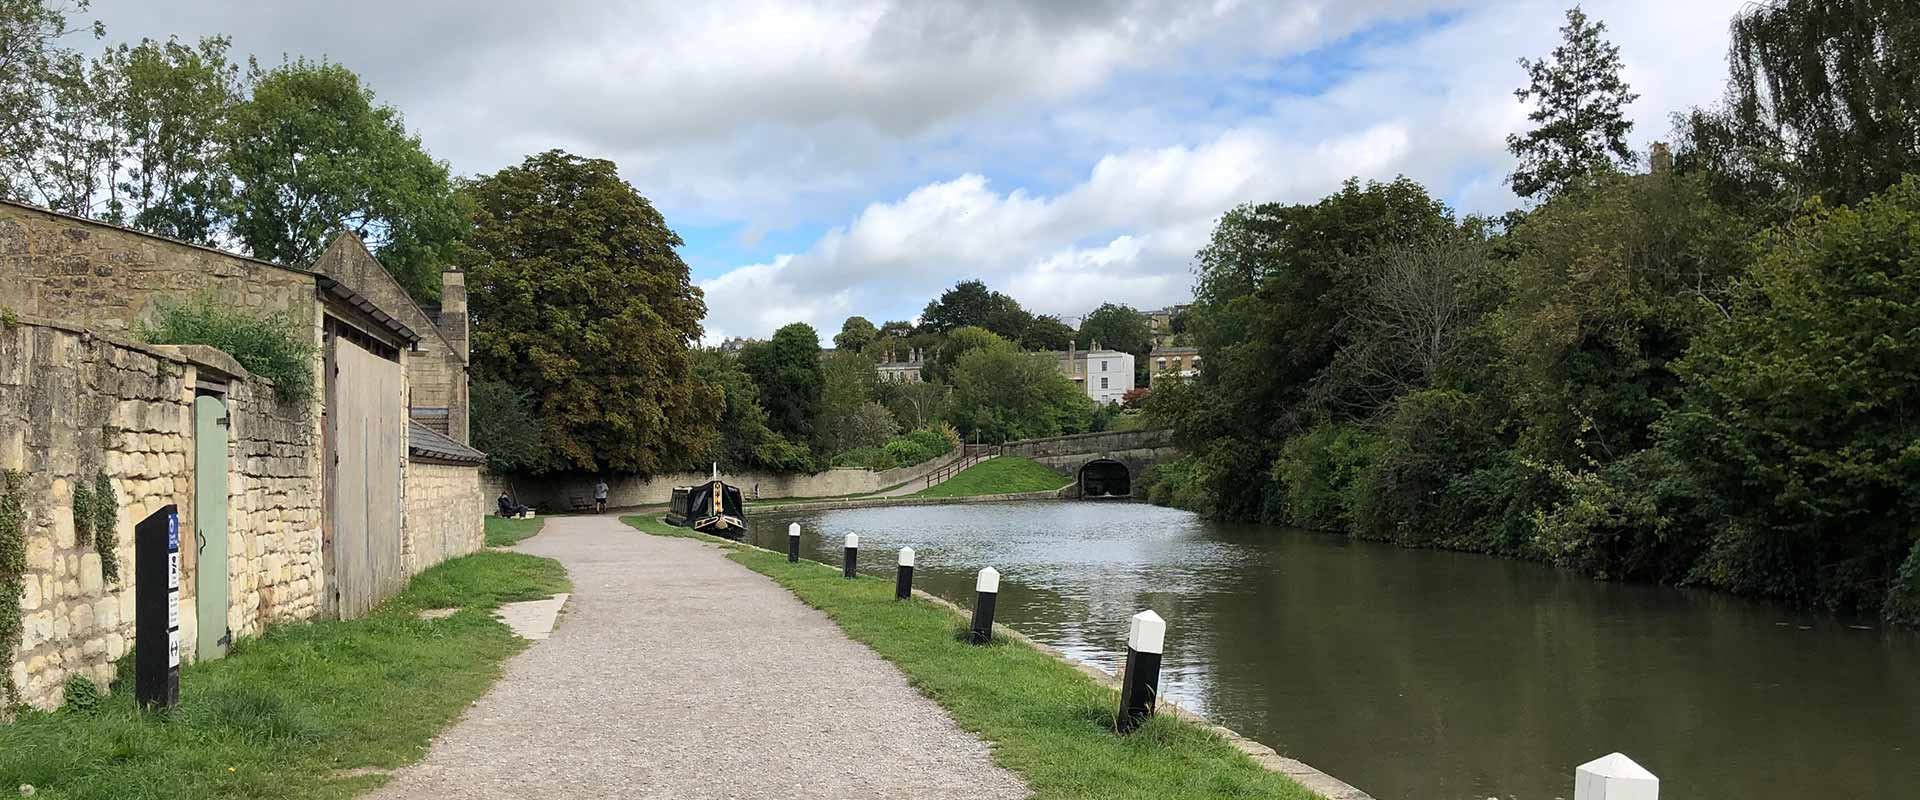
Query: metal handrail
{"x": 969, "y": 455}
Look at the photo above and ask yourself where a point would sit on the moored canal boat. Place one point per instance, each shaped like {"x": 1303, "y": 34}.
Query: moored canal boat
{"x": 713, "y": 507}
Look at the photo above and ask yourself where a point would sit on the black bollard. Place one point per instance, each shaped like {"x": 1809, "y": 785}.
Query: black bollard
{"x": 1140, "y": 682}
{"x": 986, "y": 591}
{"x": 903, "y": 583}
{"x": 793, "y": 543}
{"x": 156, "y": 608}
{"x": 853, "y": 555}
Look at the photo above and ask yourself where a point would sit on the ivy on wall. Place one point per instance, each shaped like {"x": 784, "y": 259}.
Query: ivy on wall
{"x": 95, "y": 517}
{"x": 13, "y": 571}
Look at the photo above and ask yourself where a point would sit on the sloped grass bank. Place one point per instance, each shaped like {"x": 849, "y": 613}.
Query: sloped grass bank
{"x": 1002, "y": 475}
{"x": 1045, "y": 720}
{"x": 315, "y": 710}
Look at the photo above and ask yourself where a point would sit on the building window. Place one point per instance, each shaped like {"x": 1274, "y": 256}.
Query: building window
{"x": 1103, "y": 383}
{"x": 1103, "y": 366}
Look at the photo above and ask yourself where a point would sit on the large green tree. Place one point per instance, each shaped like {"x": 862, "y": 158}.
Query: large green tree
{"x": 959, "y": 342}
{"x": 174, "y": 107}
{"x": 1119, "y": 327}
{"x": 1802, "y": 412}
{"x": 1822, "y": 99}
{"x": 579, "y": 298}
{"x": 744, "y": 440}
{"x": 1579, "y": 113}
{"x": 855, "y": 334}
{"x": 35, "y": 60}
{"x": 314, "y": 154}
{"x": 787, "y": 370}
{"x": 971, "y": 303}
{"x": 1000, "y": 394}
{"x": 1046, "y": 332}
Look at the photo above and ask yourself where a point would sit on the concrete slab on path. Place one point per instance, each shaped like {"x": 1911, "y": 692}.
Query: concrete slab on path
{"x": 680, "y": 674}
{"x": 532, "y": 619}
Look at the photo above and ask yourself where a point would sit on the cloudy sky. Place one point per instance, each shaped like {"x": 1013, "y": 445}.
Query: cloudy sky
{"x": 827, "y": 159}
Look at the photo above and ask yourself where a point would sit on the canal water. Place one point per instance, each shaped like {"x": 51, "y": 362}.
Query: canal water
{"x": 1422, "y": 674}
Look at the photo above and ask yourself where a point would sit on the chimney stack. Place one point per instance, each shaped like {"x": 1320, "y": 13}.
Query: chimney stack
{"x": 453, "y": 326}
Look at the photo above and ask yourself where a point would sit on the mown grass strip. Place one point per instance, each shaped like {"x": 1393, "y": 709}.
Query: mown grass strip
{"x": 1002, "y": 475}
{"x": 1045, "y": 720}
{"x": 304, "y": 711}
{"x": 504, "y": 532}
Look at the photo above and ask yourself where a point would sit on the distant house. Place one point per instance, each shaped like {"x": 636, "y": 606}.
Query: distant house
{"x": 1104, "y": 375}
{"x": 1179, "y": 363}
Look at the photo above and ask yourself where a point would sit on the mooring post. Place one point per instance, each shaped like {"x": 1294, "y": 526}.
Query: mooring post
{"x": 1140, "y": 682}
{"x": 903, "y": 581}
{"x": 986, "y": 592}
{"x": 1614, "y": 777}
{"x": 793, "y": 542}
{"x": 853, "y": 555}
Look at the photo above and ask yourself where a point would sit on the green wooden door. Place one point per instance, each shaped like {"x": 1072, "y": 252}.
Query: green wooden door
{"x": 210, "y": 524}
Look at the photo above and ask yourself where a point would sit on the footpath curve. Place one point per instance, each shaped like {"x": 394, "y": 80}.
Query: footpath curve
{"x": 676, "y": 673}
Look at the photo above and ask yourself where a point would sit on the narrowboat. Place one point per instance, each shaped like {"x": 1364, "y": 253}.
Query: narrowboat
{"x": 713, "y": 507}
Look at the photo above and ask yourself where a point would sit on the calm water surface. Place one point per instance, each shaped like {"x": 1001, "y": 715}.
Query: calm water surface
{"x": 1419, "y": 674}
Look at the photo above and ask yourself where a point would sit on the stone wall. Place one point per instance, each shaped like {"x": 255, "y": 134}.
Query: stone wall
{"x": 76, "y": 403}
{"x": 114, "y": 279}
{"x": 554, "y": 492}
{"x": 441, "y": 521}
{"x": 276, "y": 567}
{"x": 1089, "y": 443}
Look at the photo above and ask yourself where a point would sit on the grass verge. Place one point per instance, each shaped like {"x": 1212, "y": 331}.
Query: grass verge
{"x": 1045, "y": 720}
{"x": 1002, "y": 475}
{"x": 502, "y": 531}
{"x": 303, "y": 711}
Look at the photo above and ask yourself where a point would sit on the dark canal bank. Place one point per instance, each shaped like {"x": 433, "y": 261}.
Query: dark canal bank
{"x": 1420, "y": 674}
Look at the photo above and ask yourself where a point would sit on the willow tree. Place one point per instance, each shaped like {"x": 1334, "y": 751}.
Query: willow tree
{"x": 1823, "y": 98}
{"x": 579, "y": 299}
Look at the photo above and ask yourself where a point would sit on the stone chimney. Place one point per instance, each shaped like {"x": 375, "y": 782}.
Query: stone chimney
{"x": 1661, "y": 158}
{"x": 453, "y": 326}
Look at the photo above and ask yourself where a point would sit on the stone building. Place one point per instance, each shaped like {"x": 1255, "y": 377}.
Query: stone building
{"x": 1172, "y": 363}
{"x": 901, "y": 371}
{"x": 1105, "y": 375}
{"x": 290, "y": 508}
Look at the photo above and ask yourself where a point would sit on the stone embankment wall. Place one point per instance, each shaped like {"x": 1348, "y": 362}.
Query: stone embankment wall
{"x": 1089, "y": 443}
{"x": 75, "y": 405}
{"x": 554, "y": 492}
{"x": 441, "y": 523}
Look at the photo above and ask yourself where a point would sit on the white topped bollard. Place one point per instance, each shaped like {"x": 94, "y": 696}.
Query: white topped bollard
{"x": 1140, "y": 681}
{"x": 1614, "y": 777}
{"x": 903, "y": 581}
{"x": 852, "y": 555}
{"x": 793, "y": 542}
{"x": 986, "y": 593}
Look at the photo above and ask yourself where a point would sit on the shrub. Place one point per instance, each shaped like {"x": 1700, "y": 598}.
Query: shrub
{"x": 934, "y": 443}
{"x": 1316, "y": 473}
{"x": 1412, "y": 493}
{"x": 874, "y": 458}
{"x": 274, "y": 346}
{"x": 81, "y": 696}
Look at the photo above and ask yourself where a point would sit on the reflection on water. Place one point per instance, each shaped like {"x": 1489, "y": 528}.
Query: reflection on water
{"x": 1420, "y": 674}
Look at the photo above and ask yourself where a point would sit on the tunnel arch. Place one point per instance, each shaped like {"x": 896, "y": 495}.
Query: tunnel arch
{"x": 1105, "y": 477}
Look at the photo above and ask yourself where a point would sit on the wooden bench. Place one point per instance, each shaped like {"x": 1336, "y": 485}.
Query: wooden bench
{"x": 580, "y": 503}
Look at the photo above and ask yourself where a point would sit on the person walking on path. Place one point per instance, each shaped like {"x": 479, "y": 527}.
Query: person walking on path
{"x": 677, "y": 673}
{"x": 600, "y": 495}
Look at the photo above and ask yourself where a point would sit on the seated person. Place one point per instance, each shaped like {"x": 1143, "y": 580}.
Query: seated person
{"x": 508, "y": 508}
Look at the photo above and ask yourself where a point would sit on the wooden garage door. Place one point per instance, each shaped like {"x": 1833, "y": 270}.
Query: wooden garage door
{"x": 368, "y": 419}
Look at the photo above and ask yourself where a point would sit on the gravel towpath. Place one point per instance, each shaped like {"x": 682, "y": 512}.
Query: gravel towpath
{"x": 675, "y": 673}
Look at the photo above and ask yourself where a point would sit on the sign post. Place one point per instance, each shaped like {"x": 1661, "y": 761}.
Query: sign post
{"x": 156, "y": 626}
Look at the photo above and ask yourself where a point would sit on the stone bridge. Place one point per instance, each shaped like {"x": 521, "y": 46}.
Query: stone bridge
{"x": 1100, "y": 464}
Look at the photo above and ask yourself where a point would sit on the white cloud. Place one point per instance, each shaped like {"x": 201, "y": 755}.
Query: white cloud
{"x": 1436, "y": 107}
